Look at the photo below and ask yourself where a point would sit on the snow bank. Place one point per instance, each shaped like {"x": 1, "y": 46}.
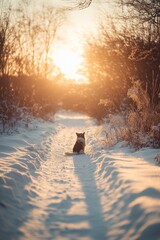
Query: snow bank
{"x": 129, "y": 186}
{"x": 21, "y": 154}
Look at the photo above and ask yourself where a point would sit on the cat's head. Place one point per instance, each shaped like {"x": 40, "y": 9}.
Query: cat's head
{"x": 81, "y": 135}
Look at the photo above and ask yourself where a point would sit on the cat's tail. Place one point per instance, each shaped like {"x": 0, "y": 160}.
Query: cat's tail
{"x": 73, "y": 153}
{"x": 70, "y": 153}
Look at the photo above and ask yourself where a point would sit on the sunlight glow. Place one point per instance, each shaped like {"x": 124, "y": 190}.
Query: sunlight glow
{"x": 69, "y": 62}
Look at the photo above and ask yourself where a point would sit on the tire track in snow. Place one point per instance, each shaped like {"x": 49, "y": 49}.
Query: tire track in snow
{"x": 64, "y": 196}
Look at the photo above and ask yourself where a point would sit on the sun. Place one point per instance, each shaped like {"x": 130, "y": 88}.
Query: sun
{"x": 69, "y": 62}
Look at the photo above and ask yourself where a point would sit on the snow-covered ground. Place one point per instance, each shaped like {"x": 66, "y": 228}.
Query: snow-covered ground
{"x": 108, "y": 193}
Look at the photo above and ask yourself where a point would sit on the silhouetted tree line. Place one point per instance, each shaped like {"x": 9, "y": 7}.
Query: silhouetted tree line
{"x": 27, "y": 36}
{"x": 121, "y": 60}
{"x": 126, "y": 50}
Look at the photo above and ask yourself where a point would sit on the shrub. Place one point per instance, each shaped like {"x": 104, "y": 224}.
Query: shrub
{"x": 139, "y": 126}
{"x": 141, "y": 118}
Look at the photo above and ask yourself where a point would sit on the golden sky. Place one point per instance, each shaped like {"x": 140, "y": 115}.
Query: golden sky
{"x": 77, "y": 25}
{"x": 78, "y": 22}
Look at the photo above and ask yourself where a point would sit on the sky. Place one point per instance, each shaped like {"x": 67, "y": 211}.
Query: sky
{"x": 78, "y": 21}
{"x": 77, "y": 25}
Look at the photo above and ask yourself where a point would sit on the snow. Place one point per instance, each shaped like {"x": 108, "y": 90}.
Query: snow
{"x": 109, "y": 193}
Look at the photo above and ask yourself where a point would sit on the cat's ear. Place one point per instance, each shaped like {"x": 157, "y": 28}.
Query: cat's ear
{"x": 77, "y": 134}
{"x": 83, "y": 133}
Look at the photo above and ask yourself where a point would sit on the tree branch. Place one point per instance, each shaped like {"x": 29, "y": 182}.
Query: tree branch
{"x": 77, "y": 4}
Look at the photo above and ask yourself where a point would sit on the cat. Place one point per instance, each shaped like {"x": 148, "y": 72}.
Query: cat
{"x": 79, "y": 145}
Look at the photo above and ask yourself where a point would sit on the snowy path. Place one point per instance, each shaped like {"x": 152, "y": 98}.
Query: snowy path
{"x": 106, "y": 194}
{"x": 66, "y": 201}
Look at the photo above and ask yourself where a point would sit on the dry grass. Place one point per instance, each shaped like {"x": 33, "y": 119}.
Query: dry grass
{"x": 140, "y": 126}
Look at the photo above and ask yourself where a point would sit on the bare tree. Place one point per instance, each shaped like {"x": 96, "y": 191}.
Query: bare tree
{"x": 77, "y": 4}
{"x": 147, "y": 12}
{"x": 35, "y": 34}
{"x": 51, "y": 19}
{"x": 5, "y": 12}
